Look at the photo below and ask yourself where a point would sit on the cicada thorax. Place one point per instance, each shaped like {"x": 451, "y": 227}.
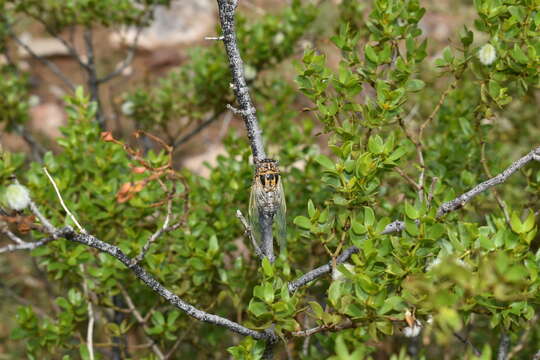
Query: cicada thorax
{"x": 267, "y": 180}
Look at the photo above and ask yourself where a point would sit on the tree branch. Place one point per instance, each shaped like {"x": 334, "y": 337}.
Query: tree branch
{"x": 198, "y": 129}
{"x": 467, "y": 342}
{"x": 464, "y": 198}
{"x": 93, "y": 83}
{"x": 398, "y": 226}
{"x": 126, "y": 62}
{"x": 504, "y": 344}
{"x": 26, "y": 245}
{"x": 89, "y": 240}
{"x": 226, "y": 10}
{"x": 54, "y": 69}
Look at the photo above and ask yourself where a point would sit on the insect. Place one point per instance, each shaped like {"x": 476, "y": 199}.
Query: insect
{"x": 267, "y": 201}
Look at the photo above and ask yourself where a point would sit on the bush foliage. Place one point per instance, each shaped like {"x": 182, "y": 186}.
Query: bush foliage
{"x": 392, "y": 130}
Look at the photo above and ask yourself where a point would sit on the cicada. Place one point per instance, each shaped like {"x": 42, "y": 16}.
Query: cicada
{"x": 267, "y": 201}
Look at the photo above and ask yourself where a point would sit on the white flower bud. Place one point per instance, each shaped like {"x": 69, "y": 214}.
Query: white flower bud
{"x": 34, "y": 100}
{"x": 338, "y": 275}
{"x": 249, "y": 72}
{"x": 413, "y": 331}
{"x": 17, "y": 197}
{"x": 278, "y": 38}
{"x": 127, "y": 108}
{"x": 487, "y": 54}
{"x": 433, "y": 264}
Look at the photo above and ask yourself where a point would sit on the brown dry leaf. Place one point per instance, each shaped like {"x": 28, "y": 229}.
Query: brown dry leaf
{"x": 107, "y": 136}
{"x": 124, "y": 193}
{"x": 138, "y": 169}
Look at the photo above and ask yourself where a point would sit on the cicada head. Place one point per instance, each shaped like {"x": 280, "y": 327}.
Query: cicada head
{"x": 267, "y": 175}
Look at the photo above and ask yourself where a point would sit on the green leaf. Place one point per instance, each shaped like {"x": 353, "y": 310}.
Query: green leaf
{"x": 334, "y": 293}
{"x": 268, "y": 293}
{"x": 358, "y": 228}
{"x": 376, "y": 144}
{"x": 158, "y": 319}
{"x": 325, "y": 162}
{"x": 302, "y": 222}
{"x": 391, "y": 303}
{"x": 257, "y": 308}
{"x": 268, "y": 269}
{"x": 413, "y": 85}
{"x": 371, "y": 55}
{"x": 369, "y": 216}
{"x": 213, "y": 246}
{"x": 519, "y": 55}
{"x": 529, "y": 223}
{"x": 515, "y": 223}
{"x": 411, "y": 211}
{"x": 311, "y": 209}
{"x": 317, "y": 309}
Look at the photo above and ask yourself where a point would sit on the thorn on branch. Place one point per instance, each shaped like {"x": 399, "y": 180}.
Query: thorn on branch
{"x": 215, "y": 38}
{"x": 248, "y": 111}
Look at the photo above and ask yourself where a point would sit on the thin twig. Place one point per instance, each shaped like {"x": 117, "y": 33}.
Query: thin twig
{"x": 141, "y": 321}
{"x": 198, "y": 129}
{"x": 157, "y": 233}
{"x": 419, "y": 152}
{"x": 62, "y": 200}
{"x": 26, "y": 245}
{"x": 466, "y": 341}
{"x": 125, "y": 63}
{"x": 49, "y": 228}
{"x": 487, "y": 171}
{"x": 44, "y": 221}
{"x": 407, "y": 178}
{"x": 91, "y": 318}
{"x": 432, "y": 191}
{"x": 131, "y": 51}
{"x": 249, "y": 234}
{"x": 69, "y": 47}
{"x": 325, "y": 328}
{"x": 430, "y": 118}
{"x": 35, "y": 147}
{"x": 54, "y": 69}
{"x": 12, "y": 236}
{"x": 524, "y": 337}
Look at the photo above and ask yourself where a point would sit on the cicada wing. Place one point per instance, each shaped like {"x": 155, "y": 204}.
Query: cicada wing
{"x": 280, "y": 219}
{"x": 254, "y": 221}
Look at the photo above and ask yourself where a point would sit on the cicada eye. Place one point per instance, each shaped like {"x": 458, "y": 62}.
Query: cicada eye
{"x": 270, "y": 177}
{"x": 263, "y": 181}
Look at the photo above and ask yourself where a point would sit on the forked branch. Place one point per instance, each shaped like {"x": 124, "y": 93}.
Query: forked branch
{"x": 444, "y": 209}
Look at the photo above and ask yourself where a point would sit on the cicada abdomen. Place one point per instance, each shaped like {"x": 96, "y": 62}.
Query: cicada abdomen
{"x": 267, "y": 202}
